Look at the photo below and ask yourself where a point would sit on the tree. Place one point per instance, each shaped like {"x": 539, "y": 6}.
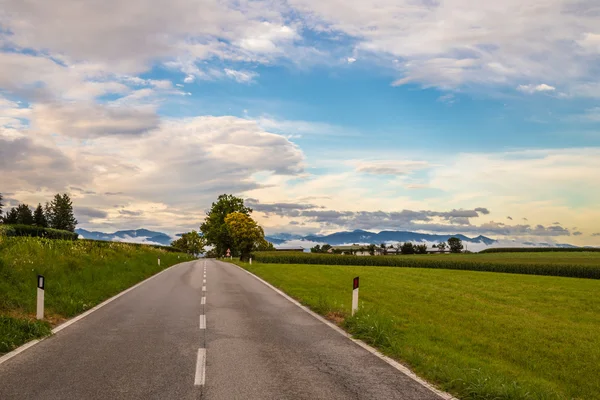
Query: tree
{"x": 383, "y": 248}
{"x": 325, "y": 248}
{"x": 316, "y": 249}
{"x": 24, "y": 215}
{"x": 264, "y": 245}
{"x": 407, "y": 248}
{"x": 48, "y": 214}
{"x": 1, "y": 205}
{"x": 191, "y": 243}
{"x": 61, "y": 213}
{"x": 421, "y": 249}
{"x": 244, "y": 232}
{"x": 214, "y": 228}
{"x": 455, "y": 244}
{"x": 11, "y": 217}
{"x": 39, "y": 218}
{"x": 441, "y": 246}
{"x": 372, "y": 249}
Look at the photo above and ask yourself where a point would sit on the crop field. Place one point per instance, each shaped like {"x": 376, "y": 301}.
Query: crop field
{"x": 568, "y": 264}
{"x": 79, "y": 275}
{"x": 478, "y": 335}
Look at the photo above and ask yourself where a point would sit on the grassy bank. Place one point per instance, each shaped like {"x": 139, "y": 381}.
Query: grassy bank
{"x": 569, "y": 264}
{"x": 79, "y": 275}
{"x": 479, "y": 335}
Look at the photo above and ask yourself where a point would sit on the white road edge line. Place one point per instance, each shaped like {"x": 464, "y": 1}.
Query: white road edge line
{"x": 200, "y": 368}
{"x": 203, "y": 301}
{"x": 62, "y": 326}
{"x": 405, "y": 370}
{"x": 202, "y": 321}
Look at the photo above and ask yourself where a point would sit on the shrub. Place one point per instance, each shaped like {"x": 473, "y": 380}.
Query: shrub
{"x": 37, "y": 231}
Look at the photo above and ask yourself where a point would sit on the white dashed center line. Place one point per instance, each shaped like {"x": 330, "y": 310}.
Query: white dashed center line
{"x": 203, "y": 321}
{"x": 203, "y": 301}
{"x": 200, "y": 367}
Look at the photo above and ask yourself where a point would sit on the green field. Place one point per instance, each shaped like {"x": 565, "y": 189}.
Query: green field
{"x": 478, "y": 335}
{"x": 570, "y": 264}
{"x": 79, "y": 275}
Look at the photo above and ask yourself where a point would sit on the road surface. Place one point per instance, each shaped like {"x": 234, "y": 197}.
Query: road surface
{"x": 202, "y": 330}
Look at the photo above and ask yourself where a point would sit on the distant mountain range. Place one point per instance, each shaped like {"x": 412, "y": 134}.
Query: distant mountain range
{"x": 133, "y": 236}
{"x": 339, "y": 238}
{"x": 365, "y": 237}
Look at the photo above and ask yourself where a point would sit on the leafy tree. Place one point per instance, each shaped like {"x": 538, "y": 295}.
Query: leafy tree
{"x": 326, "y": 248}
{"x": 316, "y": 249}
{"x": 244, "y": 232}
{"x": 372, "y": 249}
{"x": 39, "y": 218}
{"x": 191, "y": 243}
{"x": 455, "y": 244}
{"x": 263, "y": 245}
{"x": 421, "y": 249}
{"x": 61, "y": 213}
{"x": 407, "y": 248}
{"x": 1, "y": 205}
{"x": 11, "y": 217}
{"x": 441, "y": 246}
{"x": 383, "y": 248}
{"x": 214, "y": 228}
{"x": 24, "y": 215}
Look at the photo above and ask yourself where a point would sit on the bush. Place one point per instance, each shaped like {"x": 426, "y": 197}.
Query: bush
{"x": 37, "y": 231}
{"x": 461, "y": 263}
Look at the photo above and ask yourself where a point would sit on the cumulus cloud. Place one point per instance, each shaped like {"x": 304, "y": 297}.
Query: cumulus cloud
{"x": 87, "y": 120}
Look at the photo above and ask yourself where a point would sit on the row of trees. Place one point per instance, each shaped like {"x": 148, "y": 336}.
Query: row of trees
{"x": 227, "y": 226}
{"x": 454, "y": 245}
{"x": 57, "y": 214}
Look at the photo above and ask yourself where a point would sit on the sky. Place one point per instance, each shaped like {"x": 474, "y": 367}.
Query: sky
{"x": 325, "y": 115}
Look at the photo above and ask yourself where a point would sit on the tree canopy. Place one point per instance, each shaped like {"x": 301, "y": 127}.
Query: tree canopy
{"x": 244, "y": 232}
{"x": 39, "y": 218}
{"x": 191, "y": 243}
{"x": 215, "y": 230}
{"x": 60, "y": 213}
{"x": 455, "y": 245}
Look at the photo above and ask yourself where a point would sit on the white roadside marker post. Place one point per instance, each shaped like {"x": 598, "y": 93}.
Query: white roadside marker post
{"x": 250, "y": 260}
{"x": 40, "y": 296}
{"x": 355, "y": 295}
{"x": 159, "y": 261}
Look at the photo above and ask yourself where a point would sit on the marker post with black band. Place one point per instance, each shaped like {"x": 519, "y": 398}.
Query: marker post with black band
{"x": 41, "y": 283}
{"x": 355, "y": 295}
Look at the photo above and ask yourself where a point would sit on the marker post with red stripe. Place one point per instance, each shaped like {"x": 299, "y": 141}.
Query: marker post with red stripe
{"x": 355, "y": 295}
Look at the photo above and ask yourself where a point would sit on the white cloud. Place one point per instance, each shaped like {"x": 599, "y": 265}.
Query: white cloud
{"x": 240, "y": 76}
{"x": 389, "y": 167}
{"x": 350, "y": 60}
{"x": 535, "y": 88}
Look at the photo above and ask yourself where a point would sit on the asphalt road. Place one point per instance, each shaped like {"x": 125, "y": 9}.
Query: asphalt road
{"x": 162, "y": 340}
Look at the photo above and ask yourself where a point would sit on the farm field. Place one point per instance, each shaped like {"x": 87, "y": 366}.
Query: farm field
{"x": 478, "y": 335}
{"x": 79, "y": 275}
{"x": 571, "y": 264}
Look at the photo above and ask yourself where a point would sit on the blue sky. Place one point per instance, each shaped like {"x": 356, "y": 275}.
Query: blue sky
{"x": 429, "y": 116}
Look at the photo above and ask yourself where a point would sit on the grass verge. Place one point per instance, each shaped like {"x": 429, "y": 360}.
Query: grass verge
{"x": 478, "y": 335}
{"x": 79, "y": 275}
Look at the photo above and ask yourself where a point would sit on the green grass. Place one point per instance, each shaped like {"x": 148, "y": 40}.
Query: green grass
{"x": 569, "y": 264}
{"x": 479, "y": 335}
{"x": 79, "y": 275}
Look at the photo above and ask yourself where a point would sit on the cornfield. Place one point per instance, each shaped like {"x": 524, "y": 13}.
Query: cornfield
{"x": 460, "y": 262}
